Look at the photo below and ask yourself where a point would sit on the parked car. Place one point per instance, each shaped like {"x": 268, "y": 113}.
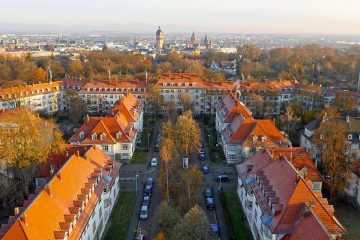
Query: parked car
{"x": 215, "y": 230}
{"x": 150, "y": 182}
{"x": 156, "y": 148}
{"x": 201, "y": 151}
{"x": 144, "y": 212}
{"x": 205, "y": 169}
{"x": 208, "y": 193}
{"x": 146, "y": 201}
{"x": 202, "y": 157}
{"x": 153, "y": 162}
{"x": 147, "y": 191}
{"x": 210, "y": 203}
{"x": 223, "y": 178}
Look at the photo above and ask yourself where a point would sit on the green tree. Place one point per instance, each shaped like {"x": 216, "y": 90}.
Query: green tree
{"x": 194, "y": 225}
{"x": 168, "y": 218}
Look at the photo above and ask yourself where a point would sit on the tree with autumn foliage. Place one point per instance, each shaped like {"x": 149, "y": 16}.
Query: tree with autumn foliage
{"x": 187, "y": 134}
{"x": 345, "y": 103}
{"x": 160, "y": 236}
{"x": 26, "y": 141}
{"x": 191, "y": 179}
{"x": 330, "y": 140}
{"x": 154, "y": 101}
{"x": 186, "y": 101}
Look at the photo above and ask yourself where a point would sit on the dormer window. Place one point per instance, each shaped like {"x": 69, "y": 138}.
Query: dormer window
{"x": 93, "y": 136}
{"x": 349, "y": 136}
{"x": 118, "y": 135}
{"x": 263, "y": 139}
{"x": 81, "y": 135}
{"x": 103, "y": 136}
{"x": 255, "y": 138}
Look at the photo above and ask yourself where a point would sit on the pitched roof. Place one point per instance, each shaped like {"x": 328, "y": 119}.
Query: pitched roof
{"x": 241, "y": 132}
{"x": 106, "y": 126}
{"x": 282, "y": 192}
{"x": 52, "y": 212}
{"x": 230, "y": 106}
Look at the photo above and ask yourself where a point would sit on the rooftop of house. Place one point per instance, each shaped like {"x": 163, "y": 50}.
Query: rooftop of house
{"x": 230, "y": 106}
{"x": 62, "y": 208}
{"x": 254, "y": 131}
{"x": 283, "y": 193}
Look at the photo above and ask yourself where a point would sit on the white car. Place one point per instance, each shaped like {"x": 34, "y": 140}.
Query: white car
{"x": 153, "y": 162}
{"x": 144, "y": 212}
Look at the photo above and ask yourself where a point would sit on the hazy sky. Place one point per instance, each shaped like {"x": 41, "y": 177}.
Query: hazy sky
{"x": 268, "y": 16}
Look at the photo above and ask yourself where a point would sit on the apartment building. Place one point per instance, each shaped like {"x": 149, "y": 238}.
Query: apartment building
{"x": 280, "y": 200}
{"x": 117, "y": 133}
{"x": 68, "y": 203}
{"x": 241, "y": 135}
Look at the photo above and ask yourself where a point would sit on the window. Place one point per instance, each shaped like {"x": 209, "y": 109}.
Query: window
{"x": 118, "y": 135}
{"x": 255, "y": 138}
{"x": 263, "y": 139}
{"x": 81, "y": 135}
{"x": 124, "y": 146}
{"x": 103, "y": 136}
{"x": 93, "y": 136}
{"x": 105, "y": 148}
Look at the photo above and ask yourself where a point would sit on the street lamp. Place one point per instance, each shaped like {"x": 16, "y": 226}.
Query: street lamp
{"x": 136, "y": 186}
{"x": 148, "y": 141}
{"x": 209, "y": 140}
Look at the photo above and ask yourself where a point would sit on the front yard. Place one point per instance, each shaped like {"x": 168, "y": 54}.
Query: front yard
{"x": 139, "y": 157}
{"x": 121, "y": 216}
{"x": 234, "y": 217}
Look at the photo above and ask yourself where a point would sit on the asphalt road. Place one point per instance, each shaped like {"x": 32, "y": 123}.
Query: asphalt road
{"x": 149, "y": 226}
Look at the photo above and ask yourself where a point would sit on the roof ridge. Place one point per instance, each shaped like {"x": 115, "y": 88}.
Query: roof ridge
{"x": 107, "y": 130}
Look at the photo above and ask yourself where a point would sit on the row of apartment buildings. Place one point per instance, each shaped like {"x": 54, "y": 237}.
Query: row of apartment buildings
{"x": 68, "y": 203}
{"x": 100, "y": 96}
{"x": 73, "y": 204}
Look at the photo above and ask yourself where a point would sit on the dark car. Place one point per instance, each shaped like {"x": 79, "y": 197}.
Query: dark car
{"x": 150, "y": 182}
{"x": 215, "y": 230}
{"x": 156, "y": 148}
{"x": 147, "y": 191}
{"x": 202, "y": 157}
{"x": 208, "y": 193}
{"x": 205, "y": 170}
{"x": 210, "y": 203}
{"x": 223, "y": 178}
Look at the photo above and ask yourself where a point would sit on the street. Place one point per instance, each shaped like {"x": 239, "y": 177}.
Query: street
{"x": 133, "y": 176}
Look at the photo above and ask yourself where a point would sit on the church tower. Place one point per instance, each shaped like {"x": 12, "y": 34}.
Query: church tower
{"x": 159, "y": 39}
{"x": 192, "y": 39}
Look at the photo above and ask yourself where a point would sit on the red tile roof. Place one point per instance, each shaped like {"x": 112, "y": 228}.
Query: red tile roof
{"x": 287, "y": 191}
{"x": 243, "y": 131}
{"x": 51, "y": 213}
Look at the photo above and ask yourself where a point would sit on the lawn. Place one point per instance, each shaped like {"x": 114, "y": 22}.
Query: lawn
{"x": 350, "y": 219}
{"x": 121, "y": 216}
{"x": 139, "y": 157}
{"x": 234, "y": 217}
{"x": 144, "y": 137}
{"x": 213, "y": 137}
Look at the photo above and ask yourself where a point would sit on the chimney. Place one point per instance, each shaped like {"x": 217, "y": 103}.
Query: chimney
{"x": 67, "y": 154}
{"x": 48, "y": 190}
{"x": 87, "y": 119}
{"x": 324, "y": 117}
{"x": 347, "y": 118}
{"x": 78, "y": 153}
{"x": 23, "y": 219}
{"x": 16, "y": 211}
{"x": 52, "y": 169}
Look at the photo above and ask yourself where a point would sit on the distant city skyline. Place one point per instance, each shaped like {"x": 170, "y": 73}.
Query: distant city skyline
{"x": 237, "y": 16}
